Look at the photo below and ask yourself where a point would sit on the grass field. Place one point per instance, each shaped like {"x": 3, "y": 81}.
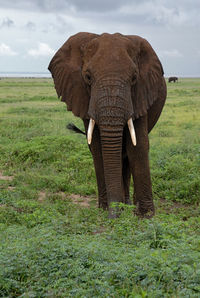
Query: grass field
{"x": 55, "y": 242}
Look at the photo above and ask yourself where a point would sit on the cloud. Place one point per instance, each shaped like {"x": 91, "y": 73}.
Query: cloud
{"x": 6, "y": 23}
{"x": 154, "y": 12}
{"x": 64, "y": 5}
{"x": 5, "y": 50}
{"x": 43, "y": 49}
{"x": 98, "y": 6}
{"x": 157, "y": 13}
{"x": 170, "y": 16}
{"x": 172, "y": 28}
{"x": 174, "y": 53}
{"x": 30, "y": 26}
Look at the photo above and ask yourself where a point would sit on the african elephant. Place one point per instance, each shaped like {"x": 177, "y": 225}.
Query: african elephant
{"x": 172, "y": 79}
{"x": 115, "y": 84}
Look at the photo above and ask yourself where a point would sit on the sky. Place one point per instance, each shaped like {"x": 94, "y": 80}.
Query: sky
{"x": 31, "y": 31}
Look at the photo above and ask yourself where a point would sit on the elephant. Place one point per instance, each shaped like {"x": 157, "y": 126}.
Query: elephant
{"x": 115, "y": 84}
{"x": 172, "y": 79}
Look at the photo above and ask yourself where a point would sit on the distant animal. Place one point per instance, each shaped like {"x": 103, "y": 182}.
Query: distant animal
{"x": 172, "y": 79}
{"x": 115, "y": 84}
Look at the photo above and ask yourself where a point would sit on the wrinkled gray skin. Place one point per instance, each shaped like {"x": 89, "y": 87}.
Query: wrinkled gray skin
{"x": 112, "y": 78}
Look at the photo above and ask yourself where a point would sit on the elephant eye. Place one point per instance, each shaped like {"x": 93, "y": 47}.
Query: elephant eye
{"x": 134, "y": 79}
{"x": 88, "y": 78}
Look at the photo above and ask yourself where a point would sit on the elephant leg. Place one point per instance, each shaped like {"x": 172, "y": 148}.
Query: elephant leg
{"x": 139, "y": 164}
{"x": 95, "y": 149}
{"x": 126, "y": 176}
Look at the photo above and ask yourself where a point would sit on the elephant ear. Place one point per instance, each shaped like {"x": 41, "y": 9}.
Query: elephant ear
{"x": 150, "y": 78}
{"x": 65, "y": 68}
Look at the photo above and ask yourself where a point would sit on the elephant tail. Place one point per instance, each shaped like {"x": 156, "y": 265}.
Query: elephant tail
{"x": 72, "y": 127}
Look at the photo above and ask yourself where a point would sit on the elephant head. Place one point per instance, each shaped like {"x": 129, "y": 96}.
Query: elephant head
{"x": 111, "y": 80}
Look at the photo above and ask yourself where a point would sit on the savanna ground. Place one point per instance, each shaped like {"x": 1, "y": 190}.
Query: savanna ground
{"x": 55, "y": 242}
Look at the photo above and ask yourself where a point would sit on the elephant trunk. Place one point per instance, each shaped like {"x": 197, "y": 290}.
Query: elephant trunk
{"x": 111, "y": 142}
{"x": 112, "y": 117}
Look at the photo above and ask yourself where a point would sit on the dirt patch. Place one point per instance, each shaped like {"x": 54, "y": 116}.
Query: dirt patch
{"x": 42, "y": 195}
{"x": 7, "y": 178}
{"x": 170, "y": 206}
{"x": 99, "y": 231}
{"x": 83, "y": 201}
{"x": 186, "y": 211}
{"x": 11, "y": 188}
{"x": 62, "y": 195}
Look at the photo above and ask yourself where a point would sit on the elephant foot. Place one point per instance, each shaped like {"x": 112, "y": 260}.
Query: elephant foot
{"x": 135, "y": 201}
{"x": 143, "y": 212}
{"x": 102, "y": 199}
{"x": 113, "y": 212}
{"x": 103, "y": 206}
{"x": 148, "y": 214}
{"x": 128, "y": 201}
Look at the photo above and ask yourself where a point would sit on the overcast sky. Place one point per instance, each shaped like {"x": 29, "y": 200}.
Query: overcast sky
{"x": 32, "y": 30}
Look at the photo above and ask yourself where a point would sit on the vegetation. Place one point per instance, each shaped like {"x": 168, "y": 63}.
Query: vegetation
{"x": 55, "y": 242}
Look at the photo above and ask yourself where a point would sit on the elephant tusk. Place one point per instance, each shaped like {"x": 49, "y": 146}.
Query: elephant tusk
{"x": 132, "y": 131}
{"x": 90, "y": 130}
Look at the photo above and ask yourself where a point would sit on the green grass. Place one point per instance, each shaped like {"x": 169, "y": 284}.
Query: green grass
{"x": 52, "y": 247}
